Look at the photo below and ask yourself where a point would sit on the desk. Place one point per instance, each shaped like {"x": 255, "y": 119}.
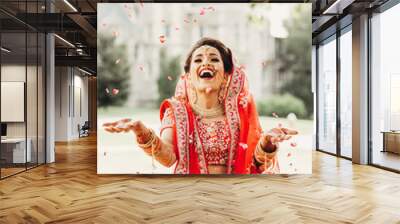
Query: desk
{"x": 17, "y": 150}
{"x": 391, "y": 141}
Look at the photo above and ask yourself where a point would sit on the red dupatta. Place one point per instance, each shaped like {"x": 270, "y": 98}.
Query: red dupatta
{"x": 244, "y": 126}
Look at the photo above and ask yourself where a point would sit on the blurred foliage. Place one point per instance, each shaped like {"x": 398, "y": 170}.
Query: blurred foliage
{"x": 282, "y": 105}
{"x": 295, "y": 57}
{"x": 113, "y": 70}
{"x": 169, "y": 74}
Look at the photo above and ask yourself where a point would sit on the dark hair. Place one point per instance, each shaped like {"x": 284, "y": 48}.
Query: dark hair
{"x": 225, "y": 52}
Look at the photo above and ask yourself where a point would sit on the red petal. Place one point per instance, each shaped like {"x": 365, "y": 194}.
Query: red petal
{"x": 115, "y": 91}
{"x": 293, "y": 144}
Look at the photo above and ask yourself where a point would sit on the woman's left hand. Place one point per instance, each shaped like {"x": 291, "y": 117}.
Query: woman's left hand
{"x": 271, "y": 139}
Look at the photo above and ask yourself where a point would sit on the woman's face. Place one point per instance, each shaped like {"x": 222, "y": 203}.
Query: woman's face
{"x": 206, "y": 69}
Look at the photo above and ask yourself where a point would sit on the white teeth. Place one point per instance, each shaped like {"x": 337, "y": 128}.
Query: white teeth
{"x": 207, "y": 70}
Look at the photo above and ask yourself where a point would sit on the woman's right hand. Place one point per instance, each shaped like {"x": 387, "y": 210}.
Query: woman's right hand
{"x": 142, "y": 133}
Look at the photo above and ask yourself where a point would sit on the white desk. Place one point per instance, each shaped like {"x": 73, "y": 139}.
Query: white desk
{"x": 19, "y": 155}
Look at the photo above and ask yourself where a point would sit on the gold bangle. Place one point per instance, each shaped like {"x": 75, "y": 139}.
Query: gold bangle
{"x": 149, "y": 142}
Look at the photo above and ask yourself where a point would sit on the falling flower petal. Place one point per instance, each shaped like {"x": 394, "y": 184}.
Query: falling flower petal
{"x": 115, "y": 91}
{"x": 202, "y": 12}
{"x": 293, "y": 144}
{"x": 141, "y": 68}
{"x": 208, "y": 90}
{"x": 289, "y": 154}
{"x": 211, "y": 8}
{"x": 117, "y": 61}
{"x": 107, "y": 91}
{"x": 279, "y": 125}
{"x": 176, "y": 28}
{"x": 275, "y": 115}
{"x": 169, "y": 78}
{"x": 243, "y": 145}
{"x": 162, "y": 39}
{"x": 186, "y": 21}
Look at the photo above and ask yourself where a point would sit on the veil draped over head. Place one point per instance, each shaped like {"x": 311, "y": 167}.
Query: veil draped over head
{"x": 244, "y": 126}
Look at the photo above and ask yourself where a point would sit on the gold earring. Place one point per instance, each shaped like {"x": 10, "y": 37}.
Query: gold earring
{"x": 192, "y": 93}
{"x": 221, "y": 92}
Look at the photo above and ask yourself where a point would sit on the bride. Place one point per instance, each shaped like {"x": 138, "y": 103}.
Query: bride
{"x": 210, "y": 125}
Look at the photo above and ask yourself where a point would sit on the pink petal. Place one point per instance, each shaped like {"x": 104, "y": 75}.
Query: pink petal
{"x": 115, "y": 91}
{"x": 211, "y": 8}
{"x": 243, "y": 145}
{"x": 141, "y": 68}
{"x": 176, "y": 28}
{"x": 202, "y": 12}
{"x": 275, "y": 115}
{"x": 208, "y": 90}
{"x": 162, "y": 39}
{"x": 293, "y": 144}
{"x": 186, "y": 21}
{"x": 289, "y": 154}
{"x": 117, "y": 61}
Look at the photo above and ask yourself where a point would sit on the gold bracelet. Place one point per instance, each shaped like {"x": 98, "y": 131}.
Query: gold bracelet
{"x": 149, "y": 142}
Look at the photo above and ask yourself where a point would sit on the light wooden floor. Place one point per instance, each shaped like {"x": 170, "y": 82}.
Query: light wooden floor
{"x": 70, "y": 191}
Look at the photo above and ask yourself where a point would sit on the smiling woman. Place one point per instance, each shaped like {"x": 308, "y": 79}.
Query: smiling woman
{"x": 211, "y": 125}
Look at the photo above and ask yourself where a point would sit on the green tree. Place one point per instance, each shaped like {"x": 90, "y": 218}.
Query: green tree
{"x": 169, "y": 75}
{"x": 295, "y": 57}
{"x": 113, "y": 70}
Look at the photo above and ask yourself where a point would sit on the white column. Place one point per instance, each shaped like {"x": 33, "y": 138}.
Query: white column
{"x": 50, "y": 99}
{"x": 360, "y": 90}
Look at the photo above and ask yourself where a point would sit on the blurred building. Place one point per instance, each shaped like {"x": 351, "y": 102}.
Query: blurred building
{"x": 182, "y": 25}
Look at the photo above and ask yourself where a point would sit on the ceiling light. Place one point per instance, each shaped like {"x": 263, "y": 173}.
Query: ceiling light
{"x": 5, "y": 50}
{"x": 70, "y": 5}
{"x": 84, "y": 71}
{"x": 64, "y": 40}
{"x": 338, "y": 6}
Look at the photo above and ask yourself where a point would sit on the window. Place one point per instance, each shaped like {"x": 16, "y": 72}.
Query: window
{"x": 346, "y": 94}
{"x": 385, "y": 89}
{"x": 327, "y": 96}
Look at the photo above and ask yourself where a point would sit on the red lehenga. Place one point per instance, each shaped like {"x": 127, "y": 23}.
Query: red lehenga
{"x": 241, "y": 133}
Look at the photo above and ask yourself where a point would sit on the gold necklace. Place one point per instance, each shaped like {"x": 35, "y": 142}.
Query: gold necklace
{"x": 208, "y": 113}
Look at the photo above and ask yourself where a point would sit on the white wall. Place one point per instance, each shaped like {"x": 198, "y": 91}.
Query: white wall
{"x": 71, "y": 87}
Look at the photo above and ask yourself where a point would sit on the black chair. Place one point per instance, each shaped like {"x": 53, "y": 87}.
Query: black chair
{"x": 84, "y": 130}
